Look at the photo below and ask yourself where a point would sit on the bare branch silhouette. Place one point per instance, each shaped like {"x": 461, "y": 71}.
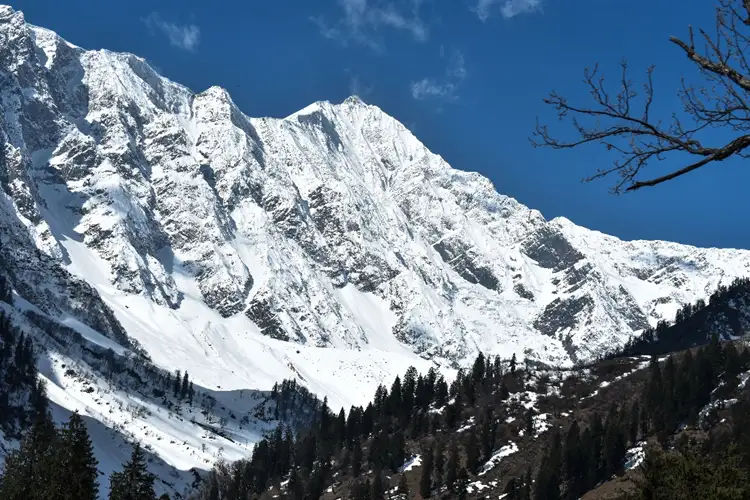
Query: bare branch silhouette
{"x": 623, "y": 122}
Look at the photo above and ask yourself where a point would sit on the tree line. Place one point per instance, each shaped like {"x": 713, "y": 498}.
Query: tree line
{"x": 693, "y": 323}
{"x": 344, "y": 445}
{"x": 677, "y": 391}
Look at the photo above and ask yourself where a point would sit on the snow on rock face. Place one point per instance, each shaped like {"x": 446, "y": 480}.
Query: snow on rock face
{"x": 122, "y": 188}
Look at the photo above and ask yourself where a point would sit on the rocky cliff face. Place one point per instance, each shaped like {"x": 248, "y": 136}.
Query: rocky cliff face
{"x": 333, "y": 227}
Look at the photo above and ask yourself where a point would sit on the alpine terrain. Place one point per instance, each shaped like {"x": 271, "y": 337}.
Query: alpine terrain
{"x": 148, "y": 229}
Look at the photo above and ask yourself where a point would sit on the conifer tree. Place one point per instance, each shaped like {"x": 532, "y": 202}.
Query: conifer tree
{"x": 451, "y": 469}
{"x": 397, "y": 452}
{"x": 376, "y": 488}
{"x": 487, "y": 434}
{"x": 177, "y": 384}
{"x": 356, "y": 458}
{"x": 185, "y": 386}
{"x": 439, "y": 463}
{"x": 295, "y": 487}
{"x": 504, "y": 393}
{"x": 513, "y": 363}
{"x": 633, "y": 425}
{"x": 529, "y": 422}
{"x": 29, "y": 471}
{"x": 77, "y": 464}
{"x": 134, "y": 482}
{"x": 472, "y": 451}
{"x": 573, "y": 463}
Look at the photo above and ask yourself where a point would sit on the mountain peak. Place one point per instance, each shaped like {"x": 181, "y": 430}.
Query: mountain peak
{"x": 354, "y": 100}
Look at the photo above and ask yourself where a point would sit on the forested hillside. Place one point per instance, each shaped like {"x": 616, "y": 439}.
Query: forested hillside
{"x": 527, "y": 431}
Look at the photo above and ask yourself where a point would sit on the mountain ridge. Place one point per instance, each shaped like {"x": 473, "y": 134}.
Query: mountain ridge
{"x": 114, "y": 80}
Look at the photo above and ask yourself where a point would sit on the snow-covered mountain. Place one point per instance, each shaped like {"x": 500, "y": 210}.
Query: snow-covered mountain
{"x": 329, "y": 246}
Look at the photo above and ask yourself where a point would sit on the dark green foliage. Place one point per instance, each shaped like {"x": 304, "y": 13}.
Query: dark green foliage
{"x": 415, "y": 410}
{"x": 134, "y": 482}
{"x": 185, "y": 386}
{"x": 472, "y": 451}
{"x": 31, "y": 472}
{"x": 678, "y": 475}
{"x": 77, "y": 464}
{"x": 377, "y": 489}
{"x": 177, "y": 385}
{"x": 451, "y": 468}
{"x": 6, "y": 291}
{"x": 425, "y": 482}
{"x": 356, "y": 464}
{"x": 17, "y": 377}
{"x": 693, "y": 324}
{"x": 439, "y": 463}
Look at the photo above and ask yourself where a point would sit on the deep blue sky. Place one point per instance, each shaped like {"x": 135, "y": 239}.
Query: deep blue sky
{"x": 467, "y": 76}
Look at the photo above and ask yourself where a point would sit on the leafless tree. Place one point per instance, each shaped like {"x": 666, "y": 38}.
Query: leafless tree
{"x": 622, "y": 120}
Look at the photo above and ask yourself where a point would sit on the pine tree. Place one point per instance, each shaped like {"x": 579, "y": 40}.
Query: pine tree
{"x": 185, "y": 386}
{"x": 425, "y": 482}
{"x": 513, "y": 363}
{"x": 295, "y": 487}
{"x": 77, "y": 464}
{"x": 29, "y": 471}
{"x": 397, "y": 452}
{"x": 529, "y": 422}
{"x": 451, "y": 469}
{"x": 487, "y": 435}
{"x": 573, "y": 463}
{"x": 376, "y": 488}
{"x": 504, "y": 393}
{"x": 356, "y": 458}
{"x": 439, "y": 463}
{"x": 177, "y": 384}
{"x": 655, "y": 396}
{"x": 635, "y": 415}
{"x": 191, "y": 393}
{"x": 134, "y": 482}
{"x": 472, "y": 452}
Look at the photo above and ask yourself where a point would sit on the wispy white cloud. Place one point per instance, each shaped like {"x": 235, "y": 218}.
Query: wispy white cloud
{"x": 508, "y": 8}
{"x": 358, "y": 88}
{"x": 362, "y": 21}
{"x": 433, "y": 88}
{"x": 183, "y": 36}
{"x": 445, "y": 87}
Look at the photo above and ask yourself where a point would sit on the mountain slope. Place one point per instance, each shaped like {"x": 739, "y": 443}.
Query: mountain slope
{"x": 330, "y": 246}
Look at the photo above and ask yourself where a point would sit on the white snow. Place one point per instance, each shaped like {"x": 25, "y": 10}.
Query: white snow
{"x": 497, "y": 456}
{"x": 414, "y": 461}
{"x": 635, "y": 455}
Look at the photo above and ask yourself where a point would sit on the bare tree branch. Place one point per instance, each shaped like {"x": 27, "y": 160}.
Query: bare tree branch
{"x": 623, "y": 123}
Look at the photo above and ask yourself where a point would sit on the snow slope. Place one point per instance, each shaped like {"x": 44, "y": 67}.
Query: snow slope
{"x": 330, "y": 246}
